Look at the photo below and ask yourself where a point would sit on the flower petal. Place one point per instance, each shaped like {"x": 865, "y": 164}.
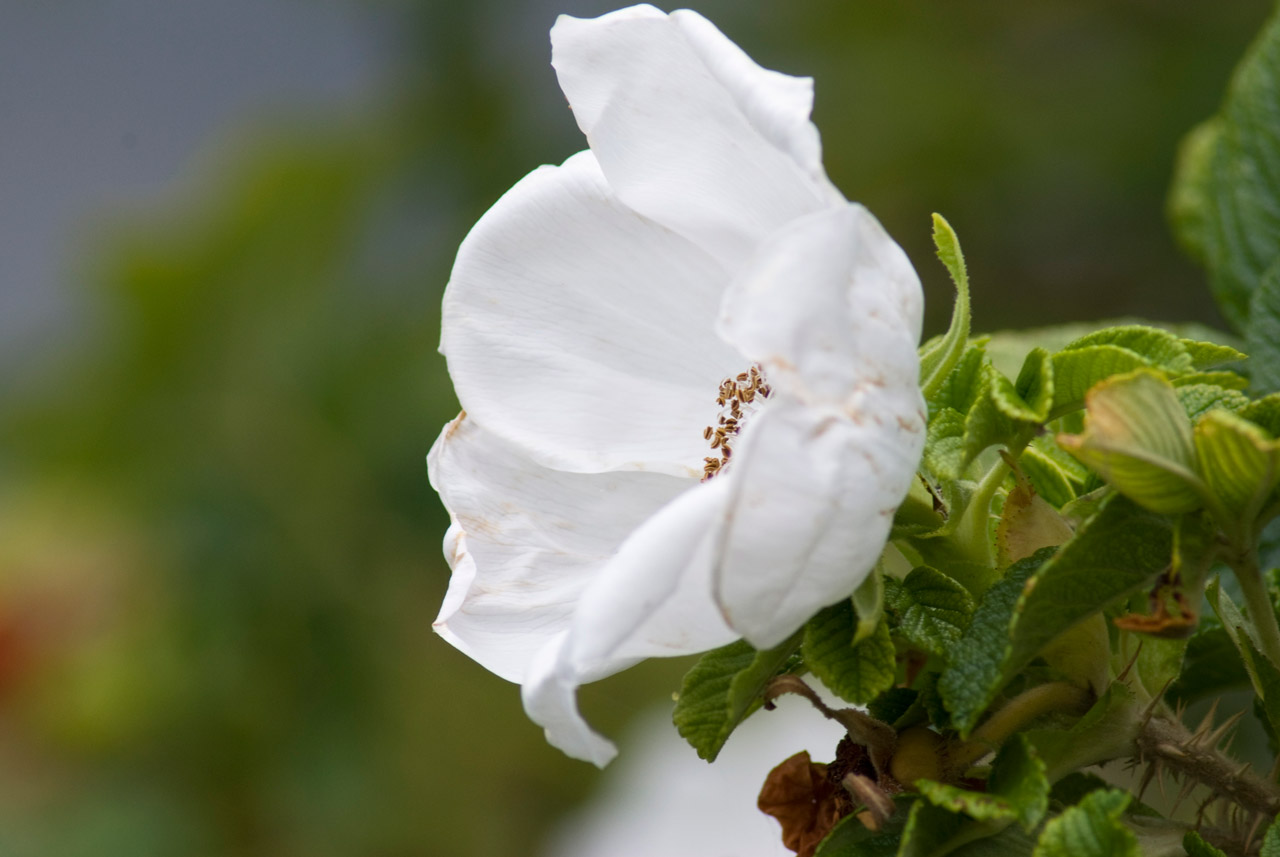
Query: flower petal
{"x": 829, "y": 305}
{"x": 813, "y": 497}
{"x": 831, "y": 308}
{"x": 579, "y": 331}
{"x": 652, "y": 599}
{"x": 688, "y": 129}
{"x": 525, "y": 541}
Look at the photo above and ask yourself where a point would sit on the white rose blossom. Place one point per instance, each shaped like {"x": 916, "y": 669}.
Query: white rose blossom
{"x": 688, "y": 372}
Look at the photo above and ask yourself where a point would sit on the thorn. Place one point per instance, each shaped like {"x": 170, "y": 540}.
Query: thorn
{"x": 1133, "y": 660}
{"x": 1153, "y": 770}
{"x": 1227, "y": 725}
{"x": 1253, "y": 831}
{"x": 1155, "y": 700}
{"x": 1206, "y": 724}
{"x": 1183, "y": 793}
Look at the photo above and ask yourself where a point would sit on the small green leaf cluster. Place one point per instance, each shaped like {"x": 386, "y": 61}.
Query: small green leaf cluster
{"x": 1039, "y": 601}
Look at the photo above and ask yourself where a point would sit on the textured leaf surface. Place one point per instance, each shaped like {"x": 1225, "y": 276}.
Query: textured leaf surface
{"x": 1195, "y": 846}
{"x": 1092, "y": 828}
{"x": 1271, "y": 841}
{"x": 1114, "y": 553}
{"x": 1210, "y": 666}
{"x": 1138, "y": 437}
{"x": 721, "y": 689}
{"x": 857, "y": 673}
{"x": 932, "y": 609}
{"x": 1226, "y": 201}
{"x": 938, "y": 360}
{"x": 1240, "y": 464}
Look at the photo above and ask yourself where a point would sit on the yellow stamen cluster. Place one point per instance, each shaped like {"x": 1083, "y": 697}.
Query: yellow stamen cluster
{"x": 736, "y": 398}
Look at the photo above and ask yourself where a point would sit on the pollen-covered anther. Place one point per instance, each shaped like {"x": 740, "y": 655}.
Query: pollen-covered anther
{"x": 736, "y": 398}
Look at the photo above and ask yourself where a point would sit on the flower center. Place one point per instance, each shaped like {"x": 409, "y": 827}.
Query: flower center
{"x": 736, "y": 398}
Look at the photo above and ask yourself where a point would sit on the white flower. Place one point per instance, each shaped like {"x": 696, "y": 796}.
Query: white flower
{"x": 590, "y": 322}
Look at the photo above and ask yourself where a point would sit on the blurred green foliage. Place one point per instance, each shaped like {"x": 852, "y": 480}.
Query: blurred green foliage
{"x": 219, "y": 555}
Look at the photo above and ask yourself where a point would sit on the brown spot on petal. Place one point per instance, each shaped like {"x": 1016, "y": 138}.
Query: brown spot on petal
{"x": 455, "y": 424}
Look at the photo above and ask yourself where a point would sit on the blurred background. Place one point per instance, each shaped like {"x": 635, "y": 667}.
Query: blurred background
{"x": 224, "y": 232}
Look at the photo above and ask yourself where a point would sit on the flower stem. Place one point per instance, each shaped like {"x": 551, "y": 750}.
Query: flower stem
{"x": 1261, "y": 610}
{"x": 1015, "y": 715}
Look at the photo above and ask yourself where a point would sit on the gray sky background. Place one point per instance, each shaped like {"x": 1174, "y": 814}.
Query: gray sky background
{"x": 105, "y": 104}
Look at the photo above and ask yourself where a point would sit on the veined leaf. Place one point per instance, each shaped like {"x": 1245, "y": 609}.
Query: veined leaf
{"x": 1199, "y": 399}
{"x": 1195, "y": 846}
{"x": 1264, "y": 412}
{"x": 722, "y": 689}
{"x": 1240, "y": 464}
{"x": 857, "y": 673}
{"x": 1114, "y": 553}
{"x": 1226, "y": 199}
{"x": 1271, "y": 841}
{"x": 1263, "y": 674}
{"x": 1075, "y": 372}
{"x": 1138, "y": 437}
{"x": 1091, "y": 828}
{"x": 1017, "y": 790}
{"x": 932, "y": 609}
{"x": 938, "y": 360}
{"x": 1210, "y": 666}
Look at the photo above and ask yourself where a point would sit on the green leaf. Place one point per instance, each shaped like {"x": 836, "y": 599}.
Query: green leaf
{"x": 1053, "y": 478}
{"x": 1226, "y": 201}
{"x": 1160, "y": 347}
{"x": 969, "y": 684}
{"x": 940, "y": 358}
{"x": 979, "y": 806}
{"x": 1189, "y": 199}
{"x": 1205, "y": 355}
{"x": 856, "y": 673}
{"x": 1017, "y": 790}
{"x": 868, "y": 604}
{"x": 1262, "y": 333}
{"x": 1018, "y": 775}
{"x": 1195, "y": 846}
{"x": 1138, "y": 437}
{"x": 1000, "y": 416}
{"x": 929, "y": 829}
{"x": 961, "y": 388}
{"x": 1092, "y": 828}
{"x": 1073, "y": 788}
{"x": 1106, "y": 731}
{"x": 1226, "y": 380}
{"x": 1263, "y": 675}
{"x": 1271, "y": 841}
{"x": 1264, "y": 412}
{"x": 1240, "y": 464}
{"x": 1211, "y": 665}
{"x": 722, "y": 689}
{"x": 1075, "y": 372}
{"x": 1199, "y": 399}
{"x": 1114, "y": 553}
{"x": 891, "y": 705}
{"x": 1029, "y": 398}
{"x": 849, "y": 838}
{"x": 944, "y": 454}
{"x": 932, "y": 609}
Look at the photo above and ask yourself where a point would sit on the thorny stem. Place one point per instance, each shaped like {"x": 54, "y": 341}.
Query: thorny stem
{"x": 1258, "y": 600}
{"x": 1015, "y": 715}
{"x": 1167, "y": 741}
